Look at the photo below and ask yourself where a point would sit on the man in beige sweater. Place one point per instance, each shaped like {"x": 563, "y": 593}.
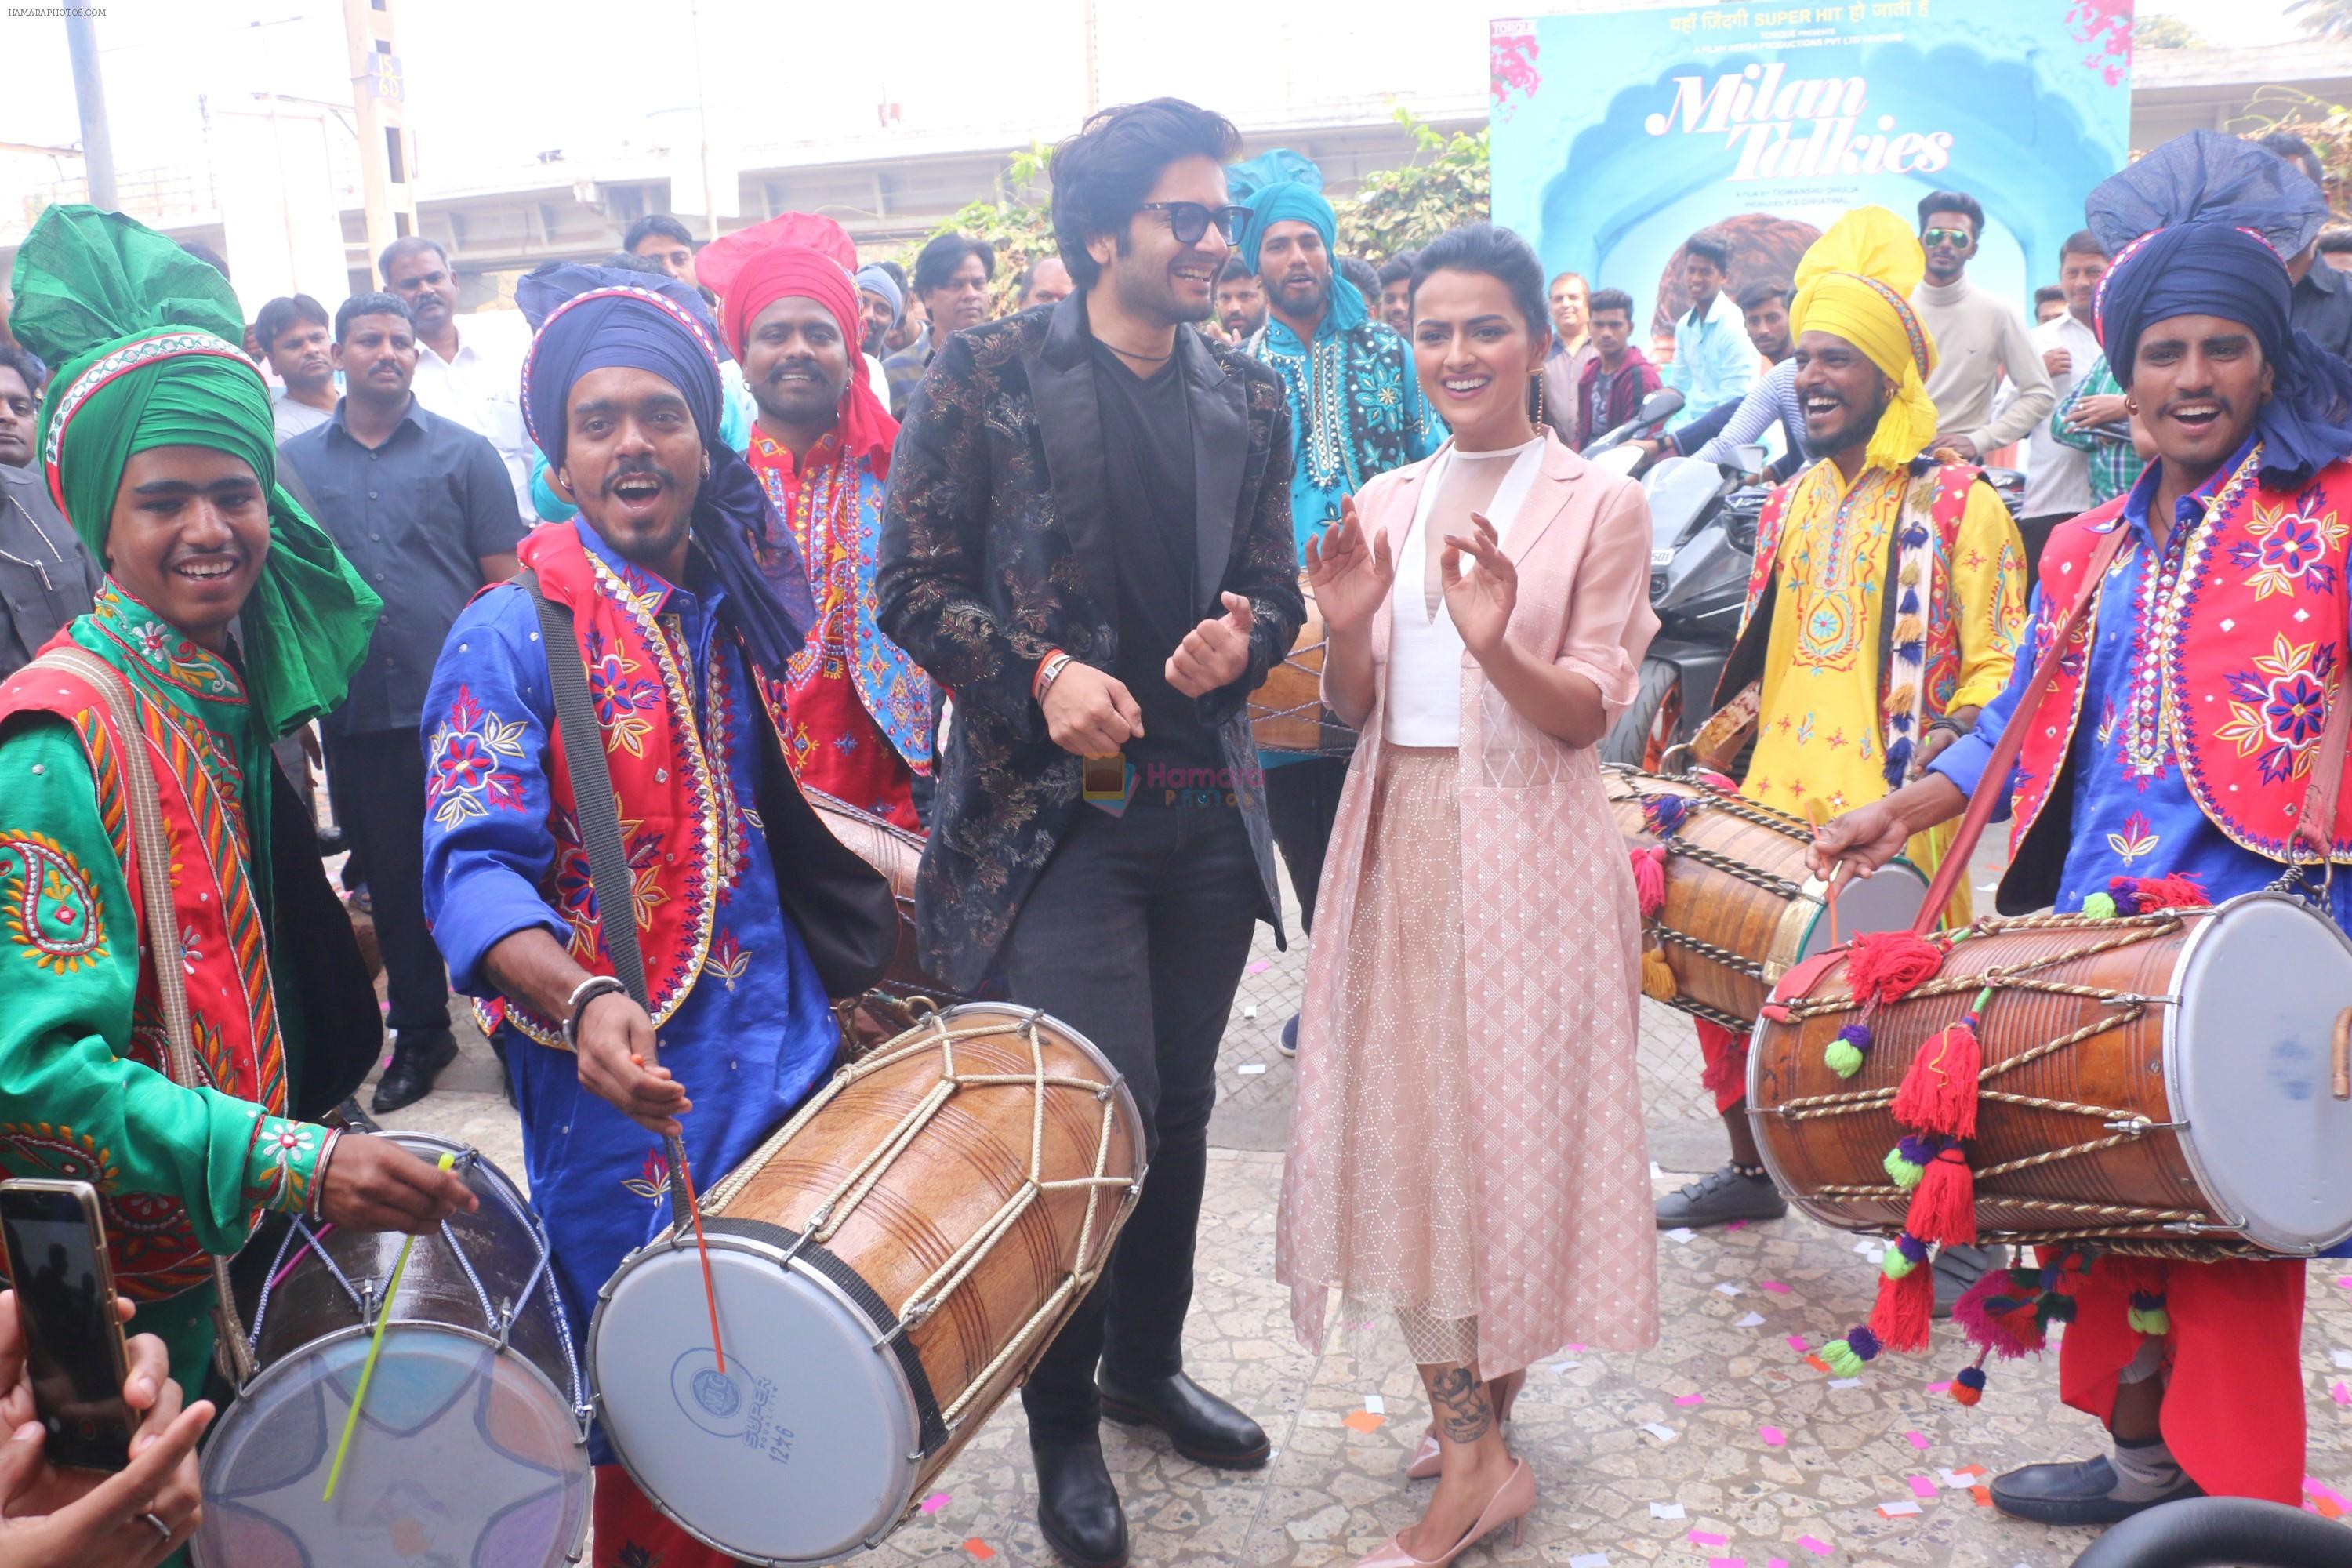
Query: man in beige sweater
{"x": 1979, "y": 338}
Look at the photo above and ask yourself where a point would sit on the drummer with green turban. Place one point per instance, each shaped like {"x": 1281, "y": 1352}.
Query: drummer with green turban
{"x": 173, "y": 1058}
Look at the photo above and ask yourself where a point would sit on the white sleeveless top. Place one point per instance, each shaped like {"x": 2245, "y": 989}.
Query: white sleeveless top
{"x": 1423, "y": 705}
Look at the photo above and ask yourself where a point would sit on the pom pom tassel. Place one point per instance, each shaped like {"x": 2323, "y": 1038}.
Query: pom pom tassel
{"x": 1969, "y": 1384}
{"x": 1905, "y": 1165}
{"x": 1900, "y": 1317}
{"x": 1939, "y": 1089}
{"x": 1887, "y": 965}
{"x": 1650, "y": 880}
{"x": 1657, "y": 976}
{"x": 1847, "y": 1355}
{"x": 1944, "y": 1209}
{"x": 1662, "y": 814}
{"x": 2152, "y": 893}
{"x": 2148, "y": 1315}
{"x": 1845, "y": 1054}
{"x": 2100, "y": 907}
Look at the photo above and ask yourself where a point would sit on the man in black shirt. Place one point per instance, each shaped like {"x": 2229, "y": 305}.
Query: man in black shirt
{"x": 1087, "y": 540}
{"x": 423, "y": 509}
{"x": 45, "y": 577}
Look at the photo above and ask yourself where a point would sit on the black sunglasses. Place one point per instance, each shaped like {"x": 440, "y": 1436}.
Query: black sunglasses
{"x": 1187, "y": 221}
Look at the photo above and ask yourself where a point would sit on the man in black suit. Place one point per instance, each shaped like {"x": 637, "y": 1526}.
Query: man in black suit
{"x": 1087, "y": 540}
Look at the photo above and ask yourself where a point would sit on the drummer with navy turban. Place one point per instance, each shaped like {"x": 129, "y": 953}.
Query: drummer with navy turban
{"x": 2167, "y": 763}
{"x": 680, "y": 630}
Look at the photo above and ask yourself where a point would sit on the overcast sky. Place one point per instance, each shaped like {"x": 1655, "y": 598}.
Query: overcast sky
{"x": 491, "y": 82}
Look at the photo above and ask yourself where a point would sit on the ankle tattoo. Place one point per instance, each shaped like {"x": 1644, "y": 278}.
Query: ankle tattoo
{"x": 1464, "y": 1413}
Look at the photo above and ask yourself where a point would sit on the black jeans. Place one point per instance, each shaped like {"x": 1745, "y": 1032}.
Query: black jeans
{"x": 1302, "y": 802}
{"x": 1134, "y": 934}
{"x": 377, "y": 783}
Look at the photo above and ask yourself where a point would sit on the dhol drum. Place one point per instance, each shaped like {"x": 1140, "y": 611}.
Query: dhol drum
{"x": 886, "y": 1267}
{"x": 1740, "y": 906}
{"x": 472, "y": 1446}
{"x": 2174, "y": 1084}
{"x": 905, "y": 994}
{"x": 1286, "y": 711}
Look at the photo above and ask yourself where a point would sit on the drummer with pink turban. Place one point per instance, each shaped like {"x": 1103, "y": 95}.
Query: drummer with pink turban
{"x": 854, "y": 711}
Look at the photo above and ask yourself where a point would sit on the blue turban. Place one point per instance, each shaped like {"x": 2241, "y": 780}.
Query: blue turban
{"x": 596, "y": 318}
{"x": 2201, "y": 226}
{"x": 878, "y": 280}
{"x": 1290, "y": 201}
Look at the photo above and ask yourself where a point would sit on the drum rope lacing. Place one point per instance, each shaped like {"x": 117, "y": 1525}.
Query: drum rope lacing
{"x": 833, "y": 1211}
{"x": 498, "y": 1324}
{"x": 2115, "y": 1223}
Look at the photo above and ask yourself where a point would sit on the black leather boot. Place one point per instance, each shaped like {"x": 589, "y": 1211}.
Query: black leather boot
{"x": 1077, "y": 1507}
{"x": 1203, "y": 1428}
{"x": 417, "y": 1058}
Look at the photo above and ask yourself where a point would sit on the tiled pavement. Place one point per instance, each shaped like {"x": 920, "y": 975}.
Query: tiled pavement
{"x": 1336, "y": 1487}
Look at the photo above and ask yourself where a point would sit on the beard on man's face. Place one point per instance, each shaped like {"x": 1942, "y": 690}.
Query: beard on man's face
{"x": 1858, "y": 424}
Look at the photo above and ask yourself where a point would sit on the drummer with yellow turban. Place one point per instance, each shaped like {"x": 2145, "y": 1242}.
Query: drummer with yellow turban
{"x": 1883, "y": 610}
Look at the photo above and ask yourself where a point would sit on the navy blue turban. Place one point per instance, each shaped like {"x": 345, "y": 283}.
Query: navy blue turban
{"x": 596, "y": 318}
{"x": 2201, "y": 226}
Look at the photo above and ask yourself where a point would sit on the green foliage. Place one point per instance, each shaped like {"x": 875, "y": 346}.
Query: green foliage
{"x": 2161, "y": 32}
{"x": 1445, "y": 184}
{"x": 2323, "y": 18}
{"x": 2326, "y": 126}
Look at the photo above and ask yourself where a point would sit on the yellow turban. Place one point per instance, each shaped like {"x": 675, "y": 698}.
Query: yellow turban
{"x": 1855, "y": 283}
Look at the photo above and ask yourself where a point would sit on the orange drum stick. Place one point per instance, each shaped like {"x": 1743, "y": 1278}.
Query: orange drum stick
{"x": 709, "y": 1287}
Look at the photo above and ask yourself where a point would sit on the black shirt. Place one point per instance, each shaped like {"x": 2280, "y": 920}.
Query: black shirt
{"x": 1147, "y": 427}
{"x": 414, "y": 516}
{"x": 46, "y": 578}
{"x": 2322, "y": 307}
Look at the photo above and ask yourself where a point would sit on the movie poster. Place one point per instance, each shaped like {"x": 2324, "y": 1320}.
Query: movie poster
{"x": 1620, "y": 132}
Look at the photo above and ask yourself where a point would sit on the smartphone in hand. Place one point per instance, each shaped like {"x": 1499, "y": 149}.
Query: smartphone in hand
{"x": 56, "y": 1246}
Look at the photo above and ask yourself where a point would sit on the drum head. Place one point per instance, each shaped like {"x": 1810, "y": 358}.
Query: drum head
{"x": 2248, "y": 1062}
{"x": 463, "y": 1455}
{"x": 799, "y": 1452}
{"x": 1887, "y": 900}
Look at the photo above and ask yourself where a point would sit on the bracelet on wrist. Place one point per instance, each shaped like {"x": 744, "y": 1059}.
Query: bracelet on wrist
{"x": 587, "y": 991}
{"x": 1041, "y": 675}
{"x": 1051, "y": 673}
{"x": 319, "y": 1173}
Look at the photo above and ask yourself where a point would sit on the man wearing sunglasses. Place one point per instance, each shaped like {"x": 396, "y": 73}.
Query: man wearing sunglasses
{"x": 1356, "y": 411}
{"x": 1979, "y": 337}
{"x": 1087, "y": 540}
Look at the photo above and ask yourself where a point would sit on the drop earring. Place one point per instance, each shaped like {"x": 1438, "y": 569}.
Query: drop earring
{"x": 1538, "y": 379}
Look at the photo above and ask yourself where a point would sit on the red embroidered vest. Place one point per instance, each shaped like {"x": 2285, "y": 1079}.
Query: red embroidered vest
{"x": 2249, "y": 662}
{"x": 679, "y": 823}
{"x": 223, "y": 946}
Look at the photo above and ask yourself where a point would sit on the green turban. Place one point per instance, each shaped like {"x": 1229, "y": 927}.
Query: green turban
{"x": 146, "y": 337}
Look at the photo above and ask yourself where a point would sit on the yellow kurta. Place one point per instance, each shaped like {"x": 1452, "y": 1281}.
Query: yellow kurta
{"x": 1821, "y": 731}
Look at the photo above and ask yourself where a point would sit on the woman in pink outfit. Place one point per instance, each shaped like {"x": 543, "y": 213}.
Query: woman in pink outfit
{"x": 1466, "y": 1145}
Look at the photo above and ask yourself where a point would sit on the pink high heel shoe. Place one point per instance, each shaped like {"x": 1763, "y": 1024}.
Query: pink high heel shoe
{"x": 1428, "y": 1459}
{"x": 1509, "y": 1505}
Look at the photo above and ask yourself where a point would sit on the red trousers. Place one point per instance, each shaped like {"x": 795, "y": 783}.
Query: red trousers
{"x": 2233, "y": 1413}
{"x": 630, "y": 1532}
{"x": 1725, "y": 1055}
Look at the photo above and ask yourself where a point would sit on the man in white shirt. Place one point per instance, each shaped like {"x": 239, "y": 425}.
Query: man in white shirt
{"x": 291, "y": 332}
{"x": 2058, "y": 477}
{"x": 1979, "y": 338}
{"x": 475, "y": 378}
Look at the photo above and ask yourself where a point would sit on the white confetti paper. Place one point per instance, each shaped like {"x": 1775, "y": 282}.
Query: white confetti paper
{"x": 1660, "y": 1430}
{"x": 1248, "y": 1070}
{"x": 1726, "y": 1288}
{"x": 1680, "y": 1234}
{"x": 1589, "y": 1560}
{"x": 1846, "y": 1382}
{"x": 1666, "y": 1510}
{"x": 1563, "y": 1368}
{"x": 1752, "y": 1321}
{"x": 1375, "y": 1405}
{"x": 2343, "y": 1359}
{"x": 1898, "y": 1509}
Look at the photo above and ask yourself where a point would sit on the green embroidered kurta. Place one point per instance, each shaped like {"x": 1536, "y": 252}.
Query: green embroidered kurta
{"x": 81, "y": 1093}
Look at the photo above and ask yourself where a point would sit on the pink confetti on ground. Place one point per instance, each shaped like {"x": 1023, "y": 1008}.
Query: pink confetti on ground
{"x": 1939, "y": 1388}
{"x": 2320, "y": 1488}
{"x": 1776, "y": 1563}
{"x": 1258, "y": 966}
{"x": 1814, "y": 1544}
{"x": 937, "y": 1501}
{"x": 1707, "y": 1538}
{"x": 1737, "y": 1225}
{"x": 1797, "y": 1342}
{"x": 1921, "y": 1486}
{"x": 1576, "y": 1350}
{"x": 1689, "y": 1399}
{"x": 1727, "y": 1563}
{"x": 1774, "y": 1286}
{"x": 2344, "y": 1281}
{"x": 1774, "y": 1436}
{"x": 1918, "y": 1440}
{"x": 2341, "y": 1394}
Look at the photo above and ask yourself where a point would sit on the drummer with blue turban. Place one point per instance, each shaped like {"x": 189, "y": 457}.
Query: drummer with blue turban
{"x": 2171, "y": 761}
{"x": 1356, "y": 412}
{"x": 685, "y": 642}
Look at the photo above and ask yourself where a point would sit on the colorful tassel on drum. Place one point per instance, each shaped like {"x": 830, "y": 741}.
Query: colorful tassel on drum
{"x": 1887, "y": 965}
{"x": 1845, "y": 1054}
{"x": 1997, "y": 1313}
{"x": 1907, "y": 1296}
{"x": 1662, "y": 814}
{"x": 1657, "y": 976}
{"x": 1845, "y": 1356}
{"x": 1906, "y": 1162}
{"x": 2148, "y": 1315}
{"x": 1650, "y": 880}
{"x": 1943, "y": 1208}
{"x": 2145, "y": 895}
{"x": 1940, "y": 1091}
{"x": 1969, "y": 1384}
{"x": 2100, "y": 907}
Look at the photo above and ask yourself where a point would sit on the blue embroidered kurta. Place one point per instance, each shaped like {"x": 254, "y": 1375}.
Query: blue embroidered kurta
{"x": 2133, "y": 815}
{"x": 1356, "y": 412}
{"x": 754, "y": 1035}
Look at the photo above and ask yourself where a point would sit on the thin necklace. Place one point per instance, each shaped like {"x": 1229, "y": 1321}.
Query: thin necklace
{"x": 42, "y": 534}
